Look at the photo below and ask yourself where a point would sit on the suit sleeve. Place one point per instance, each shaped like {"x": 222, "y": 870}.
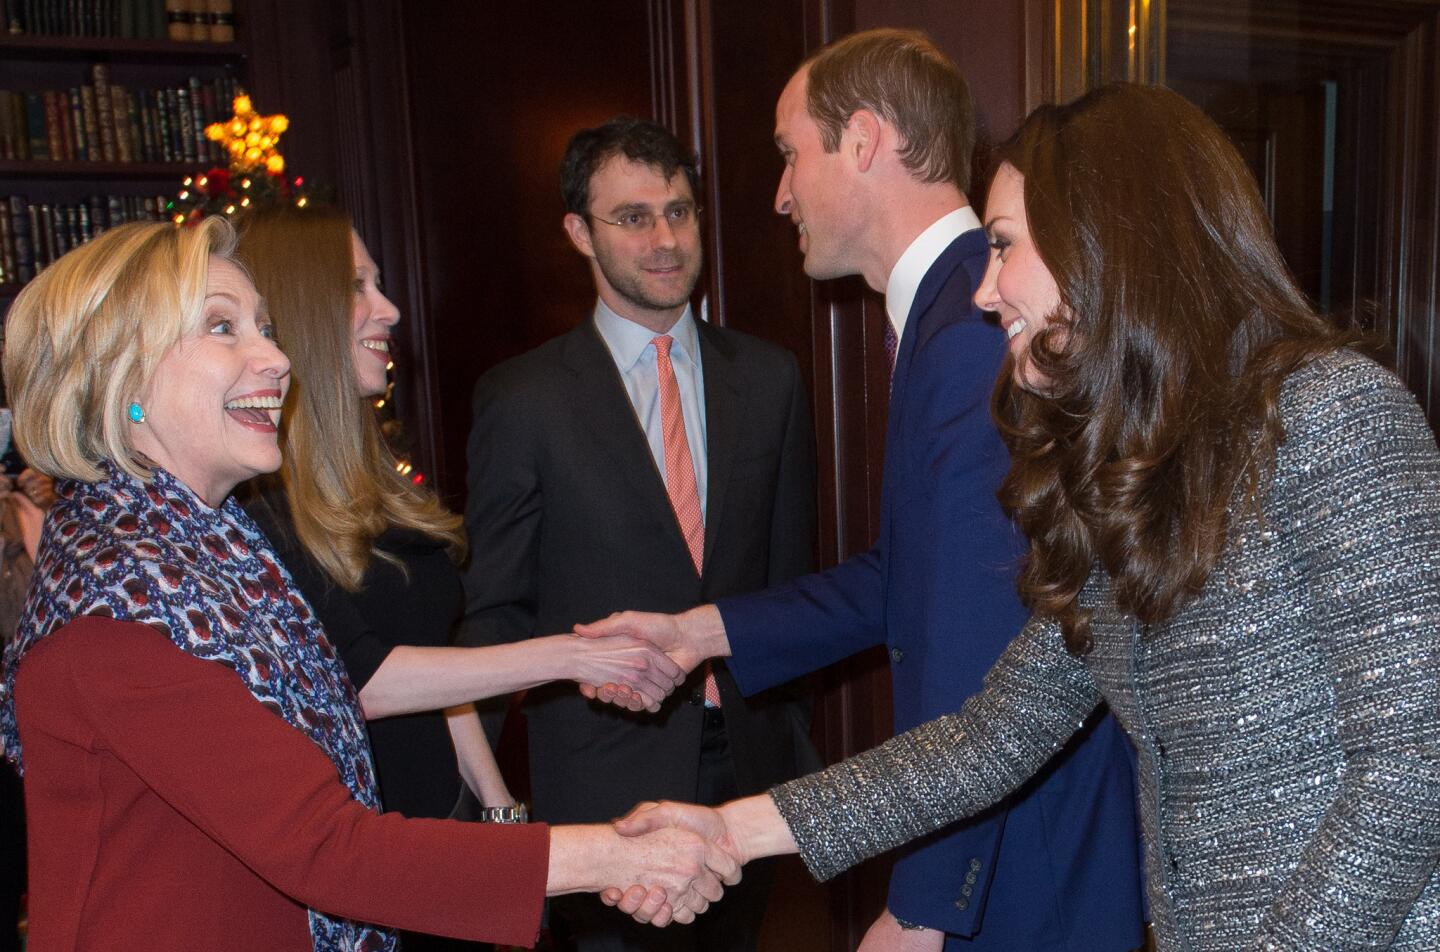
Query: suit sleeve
{"x": 803, "y": 624}
{"x": 503, "y": 513}
{"x": 259, "y": 788}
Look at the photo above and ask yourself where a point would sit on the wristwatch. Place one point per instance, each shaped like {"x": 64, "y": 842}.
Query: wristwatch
{"x": 514, "y": 813}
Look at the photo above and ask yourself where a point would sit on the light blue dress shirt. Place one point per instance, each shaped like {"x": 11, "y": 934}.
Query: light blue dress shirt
{"x": 631, "y": 348}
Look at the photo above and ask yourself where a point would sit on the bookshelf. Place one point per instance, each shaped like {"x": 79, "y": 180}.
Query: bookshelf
{"x": 84, "y": 166}
{"x": 114, "y": 49}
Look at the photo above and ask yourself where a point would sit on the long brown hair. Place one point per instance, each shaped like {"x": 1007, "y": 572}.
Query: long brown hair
{"x": 339, "y": 476}
{"x": 1178, "y": 322}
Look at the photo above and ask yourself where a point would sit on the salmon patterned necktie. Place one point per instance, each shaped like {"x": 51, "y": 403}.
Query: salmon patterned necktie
{"x": 680, "y": 475}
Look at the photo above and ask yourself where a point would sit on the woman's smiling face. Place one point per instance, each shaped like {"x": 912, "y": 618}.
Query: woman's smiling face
{"x": 212, "y": 408}
{"x": 1017, "y": 285}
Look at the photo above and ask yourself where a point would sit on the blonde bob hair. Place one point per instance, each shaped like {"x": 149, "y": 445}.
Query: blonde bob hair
{"x": 84, "y": 337}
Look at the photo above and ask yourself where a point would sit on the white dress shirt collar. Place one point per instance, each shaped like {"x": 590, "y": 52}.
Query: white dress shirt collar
{"x": 913, "y": 265}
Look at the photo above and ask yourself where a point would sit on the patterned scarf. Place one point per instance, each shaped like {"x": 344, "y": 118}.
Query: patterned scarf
{"x": 209, "y": 581}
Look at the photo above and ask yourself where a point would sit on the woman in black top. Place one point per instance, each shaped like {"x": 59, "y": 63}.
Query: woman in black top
{"x": 376, "y": 555}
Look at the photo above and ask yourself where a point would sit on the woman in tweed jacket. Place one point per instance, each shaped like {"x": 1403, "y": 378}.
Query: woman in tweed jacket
{"x": 1235, "y": 530}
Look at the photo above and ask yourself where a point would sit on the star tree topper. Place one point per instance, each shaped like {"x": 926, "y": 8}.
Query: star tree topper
{"x": 251, "y": 139}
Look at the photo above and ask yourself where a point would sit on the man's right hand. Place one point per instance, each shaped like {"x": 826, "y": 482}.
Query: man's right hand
{"x": 687, "y": 639}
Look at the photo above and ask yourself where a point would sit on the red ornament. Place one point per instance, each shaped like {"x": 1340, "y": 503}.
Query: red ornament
{"x": 217, "y": 183}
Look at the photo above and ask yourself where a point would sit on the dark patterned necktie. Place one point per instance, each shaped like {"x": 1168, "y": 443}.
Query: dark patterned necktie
{"x": 892, "y": 344}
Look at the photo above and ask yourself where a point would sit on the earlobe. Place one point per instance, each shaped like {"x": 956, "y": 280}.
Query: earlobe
{"x": 579, "y": 234}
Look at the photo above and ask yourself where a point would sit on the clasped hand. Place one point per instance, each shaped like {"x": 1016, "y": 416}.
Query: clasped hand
{"x": 636, "y": 674}
{"x": 679, "y": 839}
{"x": 663, "y": 632}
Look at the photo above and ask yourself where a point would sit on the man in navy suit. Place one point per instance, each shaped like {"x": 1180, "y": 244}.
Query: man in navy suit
{"x": 876, "y": 132}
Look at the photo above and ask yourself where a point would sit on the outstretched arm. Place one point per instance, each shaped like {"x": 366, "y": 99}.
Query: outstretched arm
{"x": 1034, "y": 698}
{"x": 424, "y": 679}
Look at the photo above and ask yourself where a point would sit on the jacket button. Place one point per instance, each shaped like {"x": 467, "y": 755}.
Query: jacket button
{"x": 975, "y": 864}
{"x": 966, "y": 889}
{"x": 970, "y": 878}
{"x": 896, "y": 655}
{"x": 962, "y": 904}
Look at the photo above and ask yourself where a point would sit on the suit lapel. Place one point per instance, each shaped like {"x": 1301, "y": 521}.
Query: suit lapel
{"x": 623, "y": 452}
{"x": 917, "y": 328}
{"x": 723, "y": 403}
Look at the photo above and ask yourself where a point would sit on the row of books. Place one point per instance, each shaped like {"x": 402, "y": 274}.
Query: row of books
{"x": 34, "y": 235}
{"x": 104, "y": 122}
{"x": 182, "y": 20}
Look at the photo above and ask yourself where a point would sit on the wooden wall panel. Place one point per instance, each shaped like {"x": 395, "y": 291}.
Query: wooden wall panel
{"x": 495, "y": 92}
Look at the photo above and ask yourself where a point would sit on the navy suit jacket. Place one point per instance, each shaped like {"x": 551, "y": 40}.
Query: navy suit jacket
{"x": 1057, "y": 865}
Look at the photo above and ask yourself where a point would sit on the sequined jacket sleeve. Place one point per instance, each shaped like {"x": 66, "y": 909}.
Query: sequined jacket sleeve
{"x": 1358, "y": 489}
{"x": 1034, "y": 698}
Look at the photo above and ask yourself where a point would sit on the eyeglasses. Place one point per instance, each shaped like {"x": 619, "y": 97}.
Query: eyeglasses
{"x": 641, "y": 221}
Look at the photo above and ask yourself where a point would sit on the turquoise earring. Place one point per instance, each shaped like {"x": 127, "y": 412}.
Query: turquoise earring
{"x": 137, "y": 413}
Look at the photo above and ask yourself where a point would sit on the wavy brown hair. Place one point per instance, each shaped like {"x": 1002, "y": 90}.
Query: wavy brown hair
{"x": 1178, "y": 323}
{"x": 339, "y": 476}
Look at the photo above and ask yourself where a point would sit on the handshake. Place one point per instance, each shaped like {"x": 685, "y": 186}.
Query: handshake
{"x": 677, "y": 857}
{"x": 655, "y": 654}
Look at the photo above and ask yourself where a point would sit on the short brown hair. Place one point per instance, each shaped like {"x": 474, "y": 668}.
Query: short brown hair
{"x": 901, "y": 76}
{"x": 85, "y": 336}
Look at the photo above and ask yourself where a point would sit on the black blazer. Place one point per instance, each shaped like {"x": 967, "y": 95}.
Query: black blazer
{"x": 569, "y": 521}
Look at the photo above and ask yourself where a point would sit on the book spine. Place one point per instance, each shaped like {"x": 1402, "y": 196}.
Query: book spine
{"x": 149, "y": 144}
{"x": 177, "y": 18}
{"x": 121, "y": 118}
{"x": 7, "y": 127}
{"x": 64, "y": 115}
{"x": 114, "y": 211}
{"x": 105, "y": 112}
{"x": 97, "y": 214}
{"x": 197, "y": 120}
{"x": 54, "y": 134}
{"x": 57, "y": 226}
{"x": 164, "y": 126}
{"x": 211, "y": 103}
{"x": 35, "y": 126}
{"x": 37, "y": 238}
{"x": 187, "y": 125}
{"x": 7, "y": 247}
{"x": 222, "y": 21}
{"x": 77, "y": 126}
{"x": 92, "y": 123}
{"x": 20, "y": 235}
{"x": 132, "y": 124}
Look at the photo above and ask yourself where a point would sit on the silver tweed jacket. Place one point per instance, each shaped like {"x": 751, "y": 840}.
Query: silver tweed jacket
{"x": 1287, "y": 719}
